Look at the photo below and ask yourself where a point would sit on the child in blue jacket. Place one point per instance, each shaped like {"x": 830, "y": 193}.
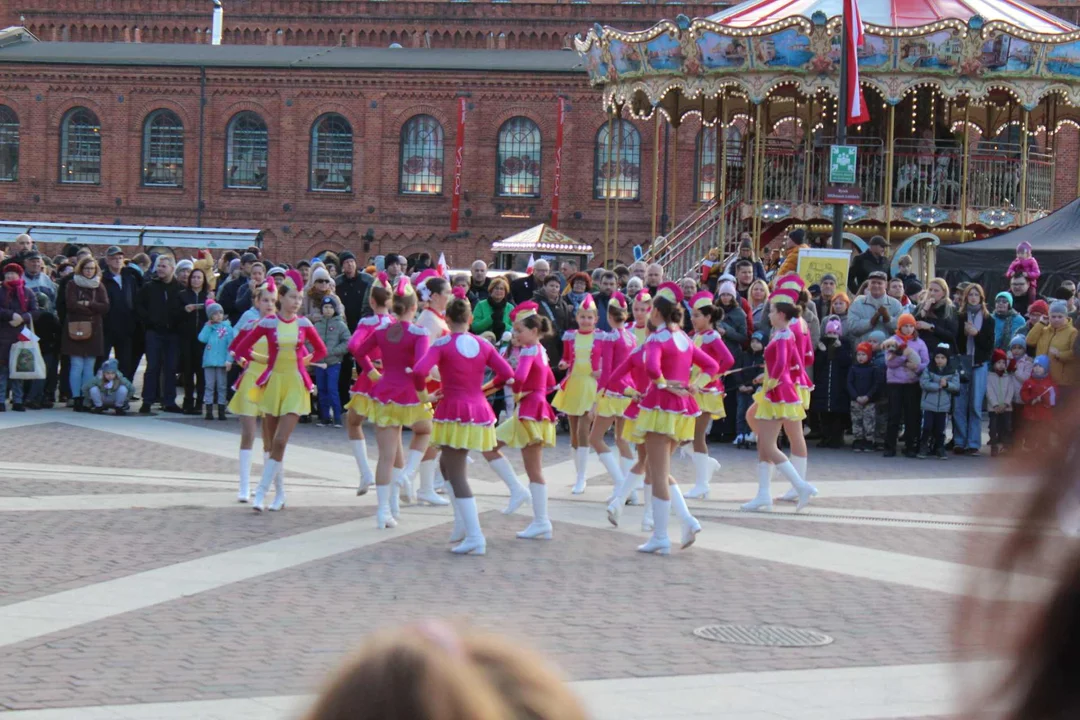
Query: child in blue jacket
{"x": 216, "y": 335}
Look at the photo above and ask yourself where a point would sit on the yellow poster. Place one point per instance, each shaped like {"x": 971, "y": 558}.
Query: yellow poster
{"x": 814, "y": 262}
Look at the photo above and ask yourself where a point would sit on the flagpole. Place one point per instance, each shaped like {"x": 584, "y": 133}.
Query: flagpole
{"x": 841, "y": 121}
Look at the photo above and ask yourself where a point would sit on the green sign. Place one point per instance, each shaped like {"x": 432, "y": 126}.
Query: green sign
{"x": 842, "y": 164}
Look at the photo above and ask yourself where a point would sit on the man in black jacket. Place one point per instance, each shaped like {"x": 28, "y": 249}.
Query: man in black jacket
{"x": 524, "y": 288}
{"x": 609, "y": 283}
{"x": 158, "y": 308}
{"x": 121, "y": 322}
{"x": 479, "y": 282}
{"x": 226, "y": 295}
{"x": 865, "y": 263}
{"x": 555, "y": 308}
{"x": 352, "y": 288}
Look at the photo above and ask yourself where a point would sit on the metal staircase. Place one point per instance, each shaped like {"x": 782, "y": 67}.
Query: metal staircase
{"x": 683, "y": 249}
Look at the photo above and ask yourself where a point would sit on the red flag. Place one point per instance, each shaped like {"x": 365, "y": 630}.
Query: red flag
{"x": 856, "y": 104}
{"x": 532, "y": 261}
{"x": 441, "y": 267}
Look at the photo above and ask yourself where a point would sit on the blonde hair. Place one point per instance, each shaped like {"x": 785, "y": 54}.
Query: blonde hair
{"x": 944, "y": 287}
{"x": 433, "y": 672}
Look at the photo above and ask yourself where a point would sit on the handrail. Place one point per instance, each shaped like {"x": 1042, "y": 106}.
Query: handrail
{"x": 694, "y": 249}
{"x": 678, "y": 231}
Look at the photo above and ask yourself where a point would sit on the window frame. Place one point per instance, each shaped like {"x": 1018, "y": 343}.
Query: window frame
{"x": 330, "y": 166}
{"x": 147, "y": 141}
{"x": 502, "y": 156}
{"x": 65, "y": 156}
{"x": 9, "y": 137}
{"x": 230, "y": 131}
{"x": 437, "y": 154}
{"x": 600, "y": 146}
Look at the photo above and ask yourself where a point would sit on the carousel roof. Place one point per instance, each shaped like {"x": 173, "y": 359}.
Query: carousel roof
{"x": 897, "y": 13}
{"x": 541, "y": 238}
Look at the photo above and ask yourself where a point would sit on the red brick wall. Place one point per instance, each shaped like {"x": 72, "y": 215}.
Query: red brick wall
{"x": 376, "y": 105}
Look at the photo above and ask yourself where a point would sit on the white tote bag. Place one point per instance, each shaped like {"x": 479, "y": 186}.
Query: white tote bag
{"x": 25, "y": 361}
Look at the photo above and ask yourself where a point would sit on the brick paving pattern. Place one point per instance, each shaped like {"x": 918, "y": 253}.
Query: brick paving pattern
{"x": 64, "y": 550}
{"x": 996, "y": 506}
{"x": 35, "y": 487}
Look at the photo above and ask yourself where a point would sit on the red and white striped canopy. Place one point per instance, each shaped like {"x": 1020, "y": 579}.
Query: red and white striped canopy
{"x": 897, "y": 13}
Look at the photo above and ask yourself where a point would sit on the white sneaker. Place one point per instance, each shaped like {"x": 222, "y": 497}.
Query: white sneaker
{"x": 738, "y": 439}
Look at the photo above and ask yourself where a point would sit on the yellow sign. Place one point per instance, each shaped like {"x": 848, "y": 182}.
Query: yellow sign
{"x": 814, "y": 262}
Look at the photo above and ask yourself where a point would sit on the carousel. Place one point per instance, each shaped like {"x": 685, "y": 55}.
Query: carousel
{"x": 967, "y": 101}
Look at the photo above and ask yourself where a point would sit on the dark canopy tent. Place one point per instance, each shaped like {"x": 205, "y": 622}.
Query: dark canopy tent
{"x": 1055, "y": 240}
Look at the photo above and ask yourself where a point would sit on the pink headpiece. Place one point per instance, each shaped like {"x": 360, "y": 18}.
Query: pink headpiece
{"x": 524, "y": 310}
{"x": 784, "y": 296}
{"x": 294, "y": 280}
{"x": 421, "y": 283}
{"x": 670, "y": 291}
{"x": 270, "y": 285}
{"x": 701, "y": 299}
{"x": 791, "y": 281}
{"x": 460, "y": 293}
{"x": 403, "y": 287}
{"x": 643, "y": 296}
{"x": 383, "y": 281}
{"x": 618, "y": 300}
{"x": 588, "y": 303}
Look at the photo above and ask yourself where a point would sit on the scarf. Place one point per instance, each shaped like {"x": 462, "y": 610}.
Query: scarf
{"x": 498, "y": 315}
{"x": 576, "y": 298}
{"x": 85, "y": 282}
{"x": 976, "y": 319}
{"x": 17, "y": 288}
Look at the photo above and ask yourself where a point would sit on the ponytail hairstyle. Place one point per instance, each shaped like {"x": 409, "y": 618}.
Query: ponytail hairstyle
{"x": 459, "y": 311}
{"x": 381, "y": 292}
{"x": 527, "y": 313}
{"x": 668, "y": 302}
{"x": 616, "y": 307}
{"x": 703, "y": 303}
{"x": 404, "y": 297}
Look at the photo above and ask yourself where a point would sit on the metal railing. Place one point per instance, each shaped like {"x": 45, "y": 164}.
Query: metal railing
{"x": 703, "y": 236}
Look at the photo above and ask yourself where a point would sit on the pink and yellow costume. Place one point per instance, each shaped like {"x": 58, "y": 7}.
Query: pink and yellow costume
{"x": 241, "y": 403}
{"x": 631, "y": 379}
{"x": 395, "y": 399}
{"x": 805, "y": 356}
{"x": 463, "y": 417}
{"x": 360, "y": 400}
{"x": 711, "y": 398}
{"x": 778, "y": 398}
{"x": 615, "y": 346}
{"x": 284, "y": 388}
{"x": 581, "y": 352}
{"x": 533, "y": 420}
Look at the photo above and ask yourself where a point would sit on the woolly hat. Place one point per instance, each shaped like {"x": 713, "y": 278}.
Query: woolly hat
{"x": 997, "y": 355}
{"x": 185, "y": 265}
{"x": 876, "y": 336}
{"x": 110, "y": 366}
{"x": 276, "y": 270}
{"x": 827, "y": 276}
{"x": 798, "y": 236}
{"x": 727, "y": 288}
{"x": 1006, "y": 296}
{"x": 320, "y": 273}
{"x": 833, "y": 325}
{"x": 1043, "y": 361}
{"x": 347, "y": 255}
{"x": 13, "y": 268}
{"x": 1039, "y": 307}
{"x": 1024, "y": 246}
{"x": 1059, "y": 307}
{"x": 865, "y": 347}
{"x": 213, "y": 307}
{"x": 943, "y": 349}
{"x": 331, "y": 301}
{"x": 234, "y": 265}
{"x": 905, "y": 319}
{"x": 1018, "y": 340}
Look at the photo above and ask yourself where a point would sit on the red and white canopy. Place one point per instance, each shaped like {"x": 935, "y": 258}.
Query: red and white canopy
{"x": 897, "y": 13}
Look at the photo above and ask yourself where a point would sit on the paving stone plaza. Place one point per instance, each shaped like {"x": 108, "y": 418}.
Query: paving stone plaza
{"x": 132, "y": 585}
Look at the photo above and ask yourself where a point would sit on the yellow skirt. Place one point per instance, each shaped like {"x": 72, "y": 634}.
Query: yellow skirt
{"x": 360, "y": 404}
{"x": 769, "y": 410}
{"x": 241, "y": 403}
{"x": 578, "y": 395}
{"x": 678, "y": 426}
{"x": 804, "y": 396}
{"x": 712, "y": 403}
{"x": 394, "y": 415}
{"x": 283, "y": 394}
{"x": 610, "y": 405}
{"x": 630, "y": 433}
{"x": 463, "y": 436}
{"x": 518, "y": 433}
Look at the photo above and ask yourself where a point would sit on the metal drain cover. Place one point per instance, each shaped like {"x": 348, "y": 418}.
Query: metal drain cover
{"x": 763, "y": 635}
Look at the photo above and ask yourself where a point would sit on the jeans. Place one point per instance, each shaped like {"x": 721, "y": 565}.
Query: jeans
{"x": 967, "y": 409}
{"x": 44, "y": 389}
{"x": 215, "y": 380}
{"x": 162, "y": 353}
{"x": 16, "y": 388}
{"x": 1001, "y": 428}
{"x": 933, "y": 430}
{"x": 326, "y": 380}
{"x": 115, "y": 399}
{"x": 82, "y": 372}
{"x": 903, "y": 400}
{"x": 745, "y": 400}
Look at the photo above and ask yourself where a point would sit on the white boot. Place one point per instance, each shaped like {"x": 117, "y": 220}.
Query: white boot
{"x": 647, "y": 523}
{"x": 244, "y": 495}
{"x": 405, "y": 479}
{"x": 518, "y": 494}
{"x": 703, "y": 471}
{"x": 762, "y": 501}
{"x": 395, "y": 493}
{"x": 614, "y": 508}
{"x": 279, "y": 489}
{"x": 659, "y": 543}
{"x": 383, "y": 517}
{"x": 690, "y": 526}
{"x": 582, "y": 455}
{"x": 458, "y": 533}
{"x": 607, "y": 459}
{"x": 474, "y": 543}
{"x": 540, "y": 527}
{"x": 426, "y": 494}
{"x": 367, "y": 477}
{"x": 804, "y": 489}
{"x": 639, "y": 487}
{"x": 625, "y": 463}
{"x": 270, "y": 470}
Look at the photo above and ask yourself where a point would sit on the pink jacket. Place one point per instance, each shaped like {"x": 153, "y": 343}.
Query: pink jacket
{"x": 614, "y": 347}
{"x": 804, "y": 358}
{"x": 366, "y": 363}
{"x": 462, "y": 359}
{"x": 267, "y": 328}
{"x": 1028, "y": 266}
{"x": 780, "y": 354}
{"x": 669, "y": 357}
{"x": 636, "y": 380}
{"x": 712, "y": 344}
{"x": 533, "y": 380}
{"x": 402, "y": 345}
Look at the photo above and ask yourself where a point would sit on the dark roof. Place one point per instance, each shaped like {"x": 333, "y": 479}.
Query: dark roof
{"x": 260, "y": 56}
{"x": 1058, "y": 231}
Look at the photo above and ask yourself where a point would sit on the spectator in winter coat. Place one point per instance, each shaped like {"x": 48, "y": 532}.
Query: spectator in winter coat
{"x": 940, "y": 381}
{"x": 1000, "y": 395}
{"x": 108, "y": 389}
{"x": 866, "y": 263}
{"x": 749, "y": 366}
{"x": 83, "y": 338}
{"x": 863, "y": 386}
{"x": 1007, "y": 322}
{"x": 525, "y": 287}
{"x": 159, "y": 309}
{"x": 493, "y": 312}
{"x": 1026, "y": 265}
{"x": 1020, "y": 289}
{"x": 905, "y": 359}
{"x": 794, "y": 242}
{"x": 36, "y": 279}
{"x": 555, "y": 308}
{"x": 896, "y": 291}
{"x": 479, "y": 284}
{"x": 733, "y": 328}
{"x": 353, "y": 288}
{"x": 912, "y": 285}
{"x": 228, "y": 294}
{"x": 42, "y": 393}
{"x": 936, "y": 317}
{"x": 975, "y": 343}
{"x": 122, "y": 285}
{"x": 830, "y": 395}
{"x": 746, "y": 252}
{"x": 18, "y": 306}
{"x": 1054, "y": 336}
{"x": 873, "y": 311}
{"x": 315, "y": 293}
{"x": 1039, "y": 394}
{"x": 335, "y": 335}
{"x": 823, "y": 302}
{"x": 193, "y": 300}
{"x": 215, "y": 336}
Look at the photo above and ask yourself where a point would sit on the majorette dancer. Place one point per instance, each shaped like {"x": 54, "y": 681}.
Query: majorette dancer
{"x": 532, "y": 426}
{"x": 283, "y": 391}
{"x": 379, "y": 299}
{"x": 704, "y": 316}
{"x": 668, "y": 412}
{"x": 611, "y": 406}
{"x": 777, "y": 404}
{"x": 435, "y": 293}
{"x": 263, "y": 305}
{"x": 799, "y": 375}
{"x": 577, "y": 393}
{"x": 463, "y": 419}
{"x": 395, "y": 402}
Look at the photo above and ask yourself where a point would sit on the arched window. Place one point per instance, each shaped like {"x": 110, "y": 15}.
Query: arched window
{"x": 80, "y": 147}
{"x": 517, "y": 161}
{"x": 247, "y": 150}
{"x": 618, "y": 162}
{"x": 163, "y": 150}
{"x": 421, "y": 160}
{"x": 331, "y": 154}
{"x": 705, "y": 167}
{"x": 9, "y": 145}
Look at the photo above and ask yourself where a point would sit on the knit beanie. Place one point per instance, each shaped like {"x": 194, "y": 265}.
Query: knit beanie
{"x": 905, "y": 319}
{"x": 875, "y": 336}
{"x": 213, "y": 307}
{"x": 997, "y": 355}
{"x": 727, "y": 288}
{"x": 110, "y": 366}
{"x": 943, "y": 349}
{"x": 1059, "y": 307}
{"x": 833, "y": 325}
{"x": 1006, "y": 296}
{"x": 1039, "y": 307}
{"x": 1043, "y": 361}
{"x": 319, "y": 273}
{"x": 185, "y": 265}
{"x": 1023, "y": 247}
{"x": 331, "y": 301}
{"x": 1018, "y": 340}
{"x": 866, "y": 348}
